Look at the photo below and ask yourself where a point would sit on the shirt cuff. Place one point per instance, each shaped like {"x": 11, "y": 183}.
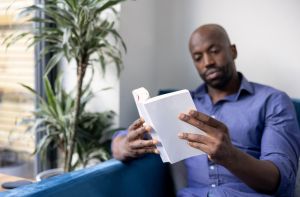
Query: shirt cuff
{"x": 119, "y": 133}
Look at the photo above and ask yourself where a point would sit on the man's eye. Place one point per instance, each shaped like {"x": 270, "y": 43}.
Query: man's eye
{"x": 215, "y": 51}
{"x": 197, "y": 57}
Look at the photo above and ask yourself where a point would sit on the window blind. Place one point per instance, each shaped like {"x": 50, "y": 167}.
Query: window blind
{"x": 16, "y": 67}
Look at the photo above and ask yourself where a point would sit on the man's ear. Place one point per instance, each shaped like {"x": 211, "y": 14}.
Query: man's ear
{"x": 233, "y": 51}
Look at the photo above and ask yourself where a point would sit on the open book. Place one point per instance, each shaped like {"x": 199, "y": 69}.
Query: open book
{"x": 161, "y": 113}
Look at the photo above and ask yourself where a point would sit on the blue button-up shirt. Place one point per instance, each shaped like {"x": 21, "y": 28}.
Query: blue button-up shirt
{"x": 262, "y": 122}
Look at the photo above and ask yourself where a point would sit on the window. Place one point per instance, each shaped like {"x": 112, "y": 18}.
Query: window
{"x": 16, "y": 67}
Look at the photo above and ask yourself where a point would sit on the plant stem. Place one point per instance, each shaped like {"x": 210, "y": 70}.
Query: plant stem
{"x": 81, "y": 69}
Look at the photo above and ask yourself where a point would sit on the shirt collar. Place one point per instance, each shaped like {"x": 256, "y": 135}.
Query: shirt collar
{"x": 245, "y": 86}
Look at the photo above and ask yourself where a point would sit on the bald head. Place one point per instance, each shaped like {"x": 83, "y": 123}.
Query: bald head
{"x": 210, "y": 32}
{"x": 214, "y": 56}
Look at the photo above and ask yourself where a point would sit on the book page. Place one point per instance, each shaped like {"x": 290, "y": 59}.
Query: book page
{"x": 141, "y": 95}
{"x": 163, "y": 112}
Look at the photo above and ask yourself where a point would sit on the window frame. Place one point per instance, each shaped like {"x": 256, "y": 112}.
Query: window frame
{"x": 41, "y": 62}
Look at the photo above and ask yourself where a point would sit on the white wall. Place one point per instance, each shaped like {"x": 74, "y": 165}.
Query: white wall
{"x": 157, "y": 31}
{"x": 103, "y": 100}
{"x": 138, "y": 30}
{"x": 267, "y": 37}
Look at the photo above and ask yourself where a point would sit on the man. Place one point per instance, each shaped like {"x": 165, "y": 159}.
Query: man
{"x": 252, "y": 141}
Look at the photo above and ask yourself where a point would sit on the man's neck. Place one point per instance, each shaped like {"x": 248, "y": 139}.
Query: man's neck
{"x": 231, "y": 88}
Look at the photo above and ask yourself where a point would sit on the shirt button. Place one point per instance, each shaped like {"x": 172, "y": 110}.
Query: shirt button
{"x": 213, "y": 185}
{"x": 212, "y": 167}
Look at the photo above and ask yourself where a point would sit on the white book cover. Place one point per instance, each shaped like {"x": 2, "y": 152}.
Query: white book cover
{"x": 161, "y": 113}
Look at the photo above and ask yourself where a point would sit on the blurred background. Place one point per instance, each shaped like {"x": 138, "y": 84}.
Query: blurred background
{"x": 156, "y": 33}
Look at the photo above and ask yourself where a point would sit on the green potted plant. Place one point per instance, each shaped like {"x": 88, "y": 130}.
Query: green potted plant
{"x": 54, "y": 117}
{"x": 74, "y": 30}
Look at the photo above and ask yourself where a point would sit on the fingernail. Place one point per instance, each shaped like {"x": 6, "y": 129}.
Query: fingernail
{"x": 183, "y": 116}
{"x": 180, "y": 135}
{"x": 156, "y": 151}
{"x": 142, "y": 119}
{"x": 192, "y": 112}
{"x": 148, "y": 128}
{"x": 154, "y": 142}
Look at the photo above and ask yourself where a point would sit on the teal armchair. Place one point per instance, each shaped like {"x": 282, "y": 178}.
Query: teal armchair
{"x": 146, "y": 177}
{"x": 296, "y": 103}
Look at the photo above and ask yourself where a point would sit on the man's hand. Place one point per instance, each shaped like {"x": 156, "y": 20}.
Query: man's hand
{"x": 216, "y": 143}
{"x": 262, "y": 176}
{"x": 134, "y": 143}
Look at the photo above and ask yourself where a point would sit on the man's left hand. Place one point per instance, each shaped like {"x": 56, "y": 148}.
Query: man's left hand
{"x": 216, "y": 143}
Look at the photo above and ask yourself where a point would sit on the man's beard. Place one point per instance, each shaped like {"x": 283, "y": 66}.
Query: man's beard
{"x": 221, "y": 81}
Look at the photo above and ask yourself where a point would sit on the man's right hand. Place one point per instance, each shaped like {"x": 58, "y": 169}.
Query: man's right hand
{"x": 134, "y": 143}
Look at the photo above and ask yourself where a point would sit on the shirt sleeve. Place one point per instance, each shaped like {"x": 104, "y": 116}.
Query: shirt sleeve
{"x": 116, "y": 134}
{"x": 119, "y": 133}
{"x": 280, "y": 140}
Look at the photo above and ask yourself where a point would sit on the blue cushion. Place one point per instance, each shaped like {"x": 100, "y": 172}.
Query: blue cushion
{"x": 296, "y": 103}
{"x": 146, "y": 177}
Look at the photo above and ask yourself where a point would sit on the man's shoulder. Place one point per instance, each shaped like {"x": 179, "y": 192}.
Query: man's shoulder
{"x": 259, "y": 89}
{"x": 267, "y": 92}
{"x": 266, "y": 89}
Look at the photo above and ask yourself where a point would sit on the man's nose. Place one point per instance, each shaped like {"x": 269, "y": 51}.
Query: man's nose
{"x": 208, "y": 60}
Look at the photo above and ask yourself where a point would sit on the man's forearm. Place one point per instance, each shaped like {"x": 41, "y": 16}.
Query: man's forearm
{"x": 262, "y": 176}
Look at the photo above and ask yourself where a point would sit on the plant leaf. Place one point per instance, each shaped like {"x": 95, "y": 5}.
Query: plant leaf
{"x": 53, "y": 62}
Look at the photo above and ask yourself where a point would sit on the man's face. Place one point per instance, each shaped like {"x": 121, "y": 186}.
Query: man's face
{"x": 213, "y": 57}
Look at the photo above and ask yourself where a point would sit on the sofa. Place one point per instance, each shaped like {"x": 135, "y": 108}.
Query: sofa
{"x": 146, "y": 177}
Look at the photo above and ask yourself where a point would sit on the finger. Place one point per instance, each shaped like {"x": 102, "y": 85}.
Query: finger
{"x": 154, "y": 149}
{"x": 143, "y": 144}
{"x": 200, "y": 146}
{"x": 134, "y": 134}
{"x": 148, "y": 127}
{"x": 205, "y": 118}
{"x": 197, "y": 123}
{"x": 136, "y": 124}
{"x": 143, "y": 151}
{"x": 195, "y": 138}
